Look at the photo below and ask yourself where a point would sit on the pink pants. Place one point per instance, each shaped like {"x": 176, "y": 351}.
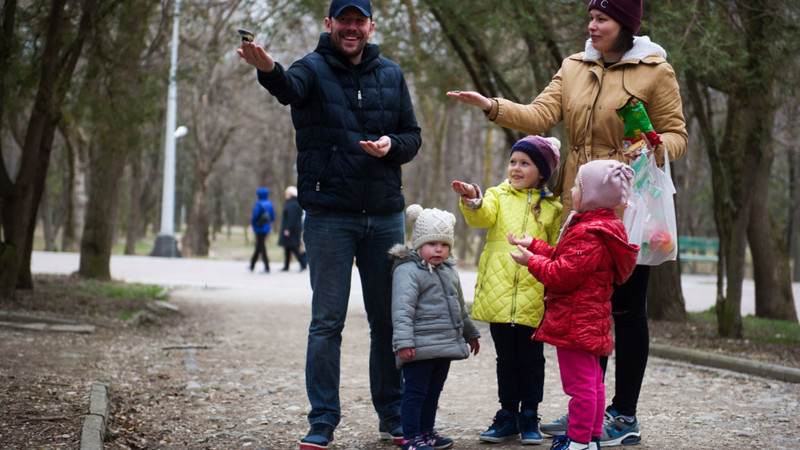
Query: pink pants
{"x": 582, "y": 379}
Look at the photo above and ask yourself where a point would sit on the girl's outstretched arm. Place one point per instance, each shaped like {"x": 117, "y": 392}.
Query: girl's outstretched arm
{"x": 464, "y": 189}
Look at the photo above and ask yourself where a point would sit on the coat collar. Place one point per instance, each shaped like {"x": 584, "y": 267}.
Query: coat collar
{"x": 642, "y": 48}
{"x": 402, "y": 253}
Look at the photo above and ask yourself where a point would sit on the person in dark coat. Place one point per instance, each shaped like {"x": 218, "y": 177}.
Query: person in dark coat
{"x": 355, "y": 128}
{"x": 291, "y": 230}
{"x": 262, "y": 210}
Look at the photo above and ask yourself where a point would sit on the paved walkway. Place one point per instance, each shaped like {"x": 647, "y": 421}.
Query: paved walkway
{"x": 699, "y": 291}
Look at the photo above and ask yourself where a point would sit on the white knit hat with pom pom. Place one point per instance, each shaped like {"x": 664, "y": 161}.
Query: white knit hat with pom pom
{"x": 430, "y": 225}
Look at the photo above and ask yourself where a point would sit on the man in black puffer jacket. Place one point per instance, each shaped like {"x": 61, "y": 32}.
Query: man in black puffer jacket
{"x": 355, "y": 127}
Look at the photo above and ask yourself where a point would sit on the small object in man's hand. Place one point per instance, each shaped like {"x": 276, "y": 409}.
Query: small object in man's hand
{"x": 247, "y": 36}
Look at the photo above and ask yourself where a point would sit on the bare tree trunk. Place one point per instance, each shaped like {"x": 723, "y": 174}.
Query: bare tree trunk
{"x": 78, "y": 161}
{"x": 196, "y": 237}
{"x": 134, "y": 230}
{"x": 664, "y": 295}
{"x": 48, "y": 224}
{"x": 107, "y": 166}
{"x": 773, "y": 280}
{"x": 794, "y": 216}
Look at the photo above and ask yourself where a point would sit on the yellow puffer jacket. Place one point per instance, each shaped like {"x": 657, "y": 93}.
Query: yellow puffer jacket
{"x": 585, "y": 95}
{"x": 505, "y": 292}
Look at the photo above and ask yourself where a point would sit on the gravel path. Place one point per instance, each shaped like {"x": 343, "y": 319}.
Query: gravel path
{"x": 248, "y": 388}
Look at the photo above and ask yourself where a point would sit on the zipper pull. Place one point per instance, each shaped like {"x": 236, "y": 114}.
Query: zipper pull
{"x": 359, "y": 99}
{"x": 317, "y": 186}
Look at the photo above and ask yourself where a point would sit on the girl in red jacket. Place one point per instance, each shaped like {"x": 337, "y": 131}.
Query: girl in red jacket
{"x": 579, "y": 274}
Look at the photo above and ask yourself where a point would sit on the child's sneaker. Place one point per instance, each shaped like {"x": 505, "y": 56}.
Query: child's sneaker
{"x": 503, "y": 427}
{"x": 433, "y": 439}
{"x": 594, "y": 444}
{"x": 320, "y": 435}
{"x": 529, "y": 427}
{"x": 556, "y": 427}
{"x": 618, "y": 430}
{"x": 416, "y": 444}
{"x": 563, "y": 442}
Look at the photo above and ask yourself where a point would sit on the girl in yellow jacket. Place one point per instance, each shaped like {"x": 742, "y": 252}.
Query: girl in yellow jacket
{"x": 506, "y": 296}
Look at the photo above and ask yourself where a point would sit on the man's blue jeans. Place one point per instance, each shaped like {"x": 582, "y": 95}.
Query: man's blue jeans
{"x": 333, "y": 240}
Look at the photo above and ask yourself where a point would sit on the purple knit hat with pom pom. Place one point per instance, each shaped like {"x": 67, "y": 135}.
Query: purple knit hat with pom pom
{"x": 542, "y": 151}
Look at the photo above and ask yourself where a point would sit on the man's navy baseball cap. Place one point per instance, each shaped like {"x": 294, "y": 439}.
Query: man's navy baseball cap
{"x": 337, "y": 6}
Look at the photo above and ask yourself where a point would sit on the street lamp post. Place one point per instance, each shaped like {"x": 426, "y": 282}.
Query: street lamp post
{"x": 165, "y": 244}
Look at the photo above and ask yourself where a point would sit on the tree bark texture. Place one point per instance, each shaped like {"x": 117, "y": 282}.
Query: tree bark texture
{"x": 664, "y": 295}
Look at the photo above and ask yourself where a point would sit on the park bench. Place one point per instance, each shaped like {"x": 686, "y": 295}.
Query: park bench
{"x": 697, "y": 249}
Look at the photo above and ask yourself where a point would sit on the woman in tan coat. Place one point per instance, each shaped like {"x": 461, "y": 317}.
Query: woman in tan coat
{"x": 584, "y": 94}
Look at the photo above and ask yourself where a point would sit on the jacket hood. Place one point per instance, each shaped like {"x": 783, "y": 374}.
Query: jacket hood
{"x": 402, "y": 253}
{"x": 642, "y": 48}
{"x": 623, "y": 252}
{"x": 263, "y": 193}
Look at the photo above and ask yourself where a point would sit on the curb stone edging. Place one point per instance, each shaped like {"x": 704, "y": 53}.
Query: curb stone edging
{"x": 94, "y": 424}
{"x": 714, "y": 360}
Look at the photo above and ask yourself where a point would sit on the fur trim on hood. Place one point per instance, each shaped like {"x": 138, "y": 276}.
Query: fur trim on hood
{"x": 642, "y": 48}
{"x": 402, "y": 253}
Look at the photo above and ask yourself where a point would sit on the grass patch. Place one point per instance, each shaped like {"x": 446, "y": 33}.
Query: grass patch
{"x": 126, "y": 315}
{"x": 755, "y": 328}
{"x": 83, "y": 288}
{"x": 134, "y": 291}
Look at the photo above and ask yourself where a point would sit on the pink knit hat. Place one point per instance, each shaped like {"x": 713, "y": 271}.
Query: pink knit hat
{"x": 605, "y": 183}
{"x": 628, "y": 13}
{"x": 542, "y": 151}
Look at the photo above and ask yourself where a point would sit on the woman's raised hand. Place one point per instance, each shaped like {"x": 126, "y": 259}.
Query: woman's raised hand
{"x": 472, "y": 98}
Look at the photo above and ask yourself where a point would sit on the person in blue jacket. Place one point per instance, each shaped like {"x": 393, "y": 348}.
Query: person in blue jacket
{"x": 355, "y": 128}
{"x": 262, "y": 210}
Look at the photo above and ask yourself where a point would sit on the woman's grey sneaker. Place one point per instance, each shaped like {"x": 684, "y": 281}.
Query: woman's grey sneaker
{"x": 556, "y": 427}
{"x": 320, "y": 435}
{"x": 503, "y": 428}
{"x": 619, "y": 431}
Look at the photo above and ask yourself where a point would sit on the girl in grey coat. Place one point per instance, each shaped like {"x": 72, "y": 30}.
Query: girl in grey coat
{"x": 431, "y": 322}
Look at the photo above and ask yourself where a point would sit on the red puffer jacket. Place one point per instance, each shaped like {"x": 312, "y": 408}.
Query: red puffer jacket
{"x": 592, "y": 255}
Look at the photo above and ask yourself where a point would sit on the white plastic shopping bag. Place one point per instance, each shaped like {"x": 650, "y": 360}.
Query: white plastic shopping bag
{"x": 650, "y": 212}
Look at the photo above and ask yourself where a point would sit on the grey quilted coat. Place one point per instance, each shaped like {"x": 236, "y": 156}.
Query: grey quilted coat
{"x": 428, "y": 309}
